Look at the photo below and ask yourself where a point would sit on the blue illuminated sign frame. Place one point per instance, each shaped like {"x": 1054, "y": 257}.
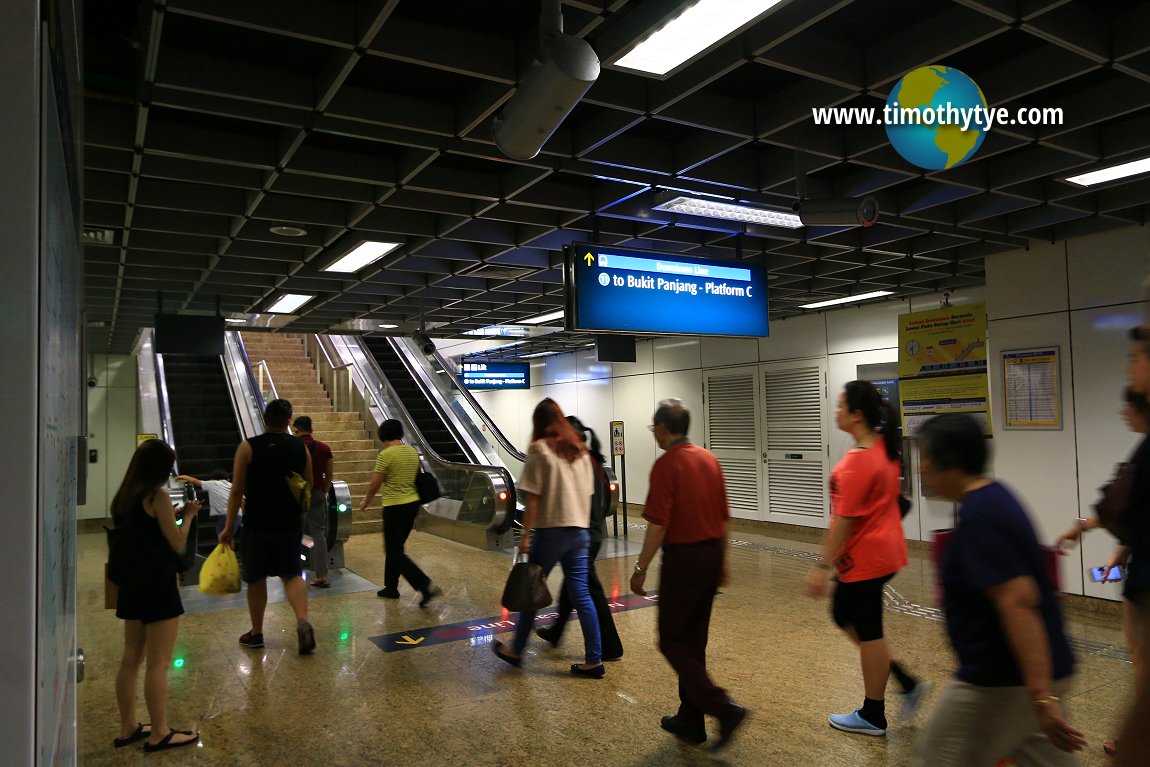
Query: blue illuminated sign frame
{"x": 489, "y": 376}
{"x": 627, "y": 290}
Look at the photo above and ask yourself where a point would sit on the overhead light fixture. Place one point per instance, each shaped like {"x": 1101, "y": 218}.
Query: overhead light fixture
{"x": 234, "y": 320}
{"x": 1111, "y": 174}
{"x": 848, "y": 299}
{"x": 536, "y": 354}
{"x": 288, "y": 303}
{"x": 690, "y": 33}
{"x": 845, "y": 211}
{"x": 365, "y": 253}
{"x": 288, "y": 231}
{"x": 540, "y": 319}
{"x": 694, "y": 206}
{"x": 388, "y": 326}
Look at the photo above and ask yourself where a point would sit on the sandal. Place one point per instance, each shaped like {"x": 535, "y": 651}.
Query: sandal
{"x": 135, "y": 737}
{"x": 1110, "y": 746}
{"x": 167, "y": 743}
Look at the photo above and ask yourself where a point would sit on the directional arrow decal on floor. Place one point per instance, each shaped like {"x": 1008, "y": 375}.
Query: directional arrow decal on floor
{"x": 483, "y": 629}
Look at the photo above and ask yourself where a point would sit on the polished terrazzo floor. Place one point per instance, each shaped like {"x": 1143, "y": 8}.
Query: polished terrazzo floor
{"x": 455, "y": 703}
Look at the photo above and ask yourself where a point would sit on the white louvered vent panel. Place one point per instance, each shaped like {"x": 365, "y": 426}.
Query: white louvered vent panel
{"x": 794, "y": 405}
{"x": 731, "y": 412}
{"x": 742, "y": 477}
{"x": 795, "y": 487}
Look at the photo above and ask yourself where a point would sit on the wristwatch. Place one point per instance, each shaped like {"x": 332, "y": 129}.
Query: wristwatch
{"x": 639, "y": 568}
{"x": 1045, "y": 700}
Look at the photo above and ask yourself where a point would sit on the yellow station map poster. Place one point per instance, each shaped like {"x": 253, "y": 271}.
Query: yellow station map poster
{"x": 942, "y": 364}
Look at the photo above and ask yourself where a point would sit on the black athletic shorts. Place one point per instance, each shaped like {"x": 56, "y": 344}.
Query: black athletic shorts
{"x": 270, "y": 554}
{"x": 858, "y": 605}
{"x": 151, "y": 604}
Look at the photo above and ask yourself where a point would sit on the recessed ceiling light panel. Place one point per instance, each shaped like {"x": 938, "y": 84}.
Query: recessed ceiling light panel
{"x": 848, "y": 299}
{"x": 289, "y": 303}
{"x": 690, "y": 33}
{"x": 540, "y": 319}
{"x": 365, "y": 253}
{"x": 1113, "y": 173}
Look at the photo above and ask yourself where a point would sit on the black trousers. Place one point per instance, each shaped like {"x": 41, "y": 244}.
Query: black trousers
{"x": 397, "y": 524}
{"x": 690, "y": 577}
{"x": 612, "y": 645}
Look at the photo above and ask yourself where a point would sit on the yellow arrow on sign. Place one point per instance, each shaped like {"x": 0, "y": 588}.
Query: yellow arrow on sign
{"x": 408, "y": 640}
{"x": 590, "y": 259}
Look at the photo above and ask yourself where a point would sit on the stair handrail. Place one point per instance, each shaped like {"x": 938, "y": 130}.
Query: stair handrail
{"x": 492, "y": 427}
{"x": 262, "y": 365}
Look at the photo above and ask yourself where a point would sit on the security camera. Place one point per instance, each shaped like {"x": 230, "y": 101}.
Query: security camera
{"x": 92, "y": 382}
{"x": 566, "y": 69}
{"x": 426, "y": 345}
{"x": 862, "y": 211}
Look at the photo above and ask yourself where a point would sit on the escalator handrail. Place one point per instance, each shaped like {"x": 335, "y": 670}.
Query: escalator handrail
{"x": 252, "y": 379}
{"x": 162, "y": 401}
{"x": 428, "y": 451}
{"x": 492, "y": 428}
{"x": 235, "y": 356}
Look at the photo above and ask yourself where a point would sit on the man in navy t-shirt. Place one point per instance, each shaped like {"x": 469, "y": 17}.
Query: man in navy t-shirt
{"x": 1002, "y": 616}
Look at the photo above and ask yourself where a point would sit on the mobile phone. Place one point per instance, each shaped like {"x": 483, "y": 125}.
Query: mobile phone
{"x": 189, "y": 492}
{"x": 1098, "y": 574}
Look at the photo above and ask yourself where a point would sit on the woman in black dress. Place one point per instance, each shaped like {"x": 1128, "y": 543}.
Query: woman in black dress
{"x": 143, "y": 564}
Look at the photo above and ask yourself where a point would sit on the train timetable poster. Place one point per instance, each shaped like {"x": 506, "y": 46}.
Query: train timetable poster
{"x": 942, "y": 364}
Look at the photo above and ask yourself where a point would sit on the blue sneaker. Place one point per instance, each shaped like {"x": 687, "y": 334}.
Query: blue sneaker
{"x": 913, "y": 699}
{"x": 852, "y": 722}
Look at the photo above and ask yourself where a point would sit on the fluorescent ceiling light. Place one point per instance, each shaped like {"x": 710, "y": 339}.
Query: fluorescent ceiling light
{"x": 692, "y": 32}
{"x": 388, "y": 326}
{"x": 729, "y": 211}
{"x": 288, "y": 303}
{"x": 1112, "y": 174}
{"x": 539, "y": 320}
{"x": 364, "y": 254}
{"x": 537, "y": 354}
{"x": 848, "y": 299}
{"x": 233, "y": 320}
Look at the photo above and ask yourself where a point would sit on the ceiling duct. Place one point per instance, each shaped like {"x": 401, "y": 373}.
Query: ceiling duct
{"x": 566, "y": 69}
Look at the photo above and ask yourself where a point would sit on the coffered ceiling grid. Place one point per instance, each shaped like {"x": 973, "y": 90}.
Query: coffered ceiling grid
{"x": 208, "y": 122}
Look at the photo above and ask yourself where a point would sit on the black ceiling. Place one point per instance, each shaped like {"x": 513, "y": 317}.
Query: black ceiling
{"x": 209, "y": 121}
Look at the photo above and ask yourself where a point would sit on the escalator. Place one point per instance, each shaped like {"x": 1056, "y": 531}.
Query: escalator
{"x": 203, "y": 420}
{"x": 431, "y": 425}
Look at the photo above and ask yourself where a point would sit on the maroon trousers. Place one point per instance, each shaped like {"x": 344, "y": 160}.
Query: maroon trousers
{"x": 687, "y": 585}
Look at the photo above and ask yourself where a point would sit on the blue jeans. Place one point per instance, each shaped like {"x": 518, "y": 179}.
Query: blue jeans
{"x": 566, "y": 546}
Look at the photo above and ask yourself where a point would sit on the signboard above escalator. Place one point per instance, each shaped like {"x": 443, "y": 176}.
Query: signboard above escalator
{"x": 487, "y": 376}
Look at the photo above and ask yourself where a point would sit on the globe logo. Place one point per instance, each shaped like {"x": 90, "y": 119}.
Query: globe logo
{"x": 604, "y": 279}
{"x": 926, "y": 113}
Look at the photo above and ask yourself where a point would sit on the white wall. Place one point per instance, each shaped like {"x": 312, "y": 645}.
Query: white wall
{"x": 112, "y": 417}
{"x": 1082, "y": 296}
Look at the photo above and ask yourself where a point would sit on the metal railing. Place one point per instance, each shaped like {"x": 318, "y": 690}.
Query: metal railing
{"x": 264, "y": 382}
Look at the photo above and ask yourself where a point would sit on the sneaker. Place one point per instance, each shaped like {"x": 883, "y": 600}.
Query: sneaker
{"x": 913, "y": 699}
{"x": 252, "y": 640}
{"x": 430, "y": 593}
{"x": 729, "y": 721}
{"x": 306, "y": 636}
{"x": 852, "y": 722}
{"x": 694, "y": 735}
{"x": 388, "y": 593}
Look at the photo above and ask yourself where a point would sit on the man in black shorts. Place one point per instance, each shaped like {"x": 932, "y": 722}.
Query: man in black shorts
{"x": 272, "y": 521}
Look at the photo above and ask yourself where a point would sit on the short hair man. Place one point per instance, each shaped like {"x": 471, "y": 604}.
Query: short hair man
{"x": 272, "y": 527}
{"x": 323, "y": 469}
{"x": 218, "y": 487}
{"x": 686, "y": 513}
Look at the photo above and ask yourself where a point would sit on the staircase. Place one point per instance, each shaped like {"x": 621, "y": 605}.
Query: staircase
{"x": 296, "y": 380}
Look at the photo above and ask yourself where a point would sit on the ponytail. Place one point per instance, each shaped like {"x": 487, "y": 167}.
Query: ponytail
{"x": 880, "y": 415}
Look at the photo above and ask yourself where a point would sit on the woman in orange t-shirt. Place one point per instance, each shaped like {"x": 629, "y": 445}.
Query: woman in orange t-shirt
{"x": 866, "y": 547}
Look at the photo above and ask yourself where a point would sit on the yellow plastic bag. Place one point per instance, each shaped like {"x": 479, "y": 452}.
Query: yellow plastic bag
{"x": 221, "y": 572}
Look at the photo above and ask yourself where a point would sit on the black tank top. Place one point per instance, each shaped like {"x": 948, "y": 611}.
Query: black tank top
{"x": 268, "y": 503}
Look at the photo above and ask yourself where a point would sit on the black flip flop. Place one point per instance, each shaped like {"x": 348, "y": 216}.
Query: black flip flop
{"x": 167, "y": 743}
{"x": 135, "y": 737}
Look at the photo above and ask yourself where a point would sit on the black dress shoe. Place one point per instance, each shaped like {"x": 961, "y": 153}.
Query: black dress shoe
{"x": 595, "y": 672}
{"x": 388, "y": 593}
{"x": 729, "y": 721}
{"x": 430, "y": 593}
{"x": 547, "y": 634}
{"x": 694, "y": 735}
{"x": 497, "y": 646}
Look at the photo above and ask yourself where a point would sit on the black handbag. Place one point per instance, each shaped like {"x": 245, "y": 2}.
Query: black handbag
{"x": 427, "y": 486}
{"x": 526, "y": 589}
{"x": 1113, "y": 508}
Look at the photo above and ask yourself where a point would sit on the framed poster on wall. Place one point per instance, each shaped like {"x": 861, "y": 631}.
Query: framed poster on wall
{"x": 1031, "y": 393}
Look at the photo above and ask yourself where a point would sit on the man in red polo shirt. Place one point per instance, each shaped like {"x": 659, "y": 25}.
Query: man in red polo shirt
{"x": 686, "y": 515}
{"x": 322, "y": 467}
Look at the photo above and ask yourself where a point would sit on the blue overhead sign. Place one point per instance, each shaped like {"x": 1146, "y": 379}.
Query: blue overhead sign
{"x": 496, "y": 375}
{"x": 635, "y": 291}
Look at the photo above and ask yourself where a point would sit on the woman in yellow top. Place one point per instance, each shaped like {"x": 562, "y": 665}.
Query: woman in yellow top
{"x": 395, "y": 471}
